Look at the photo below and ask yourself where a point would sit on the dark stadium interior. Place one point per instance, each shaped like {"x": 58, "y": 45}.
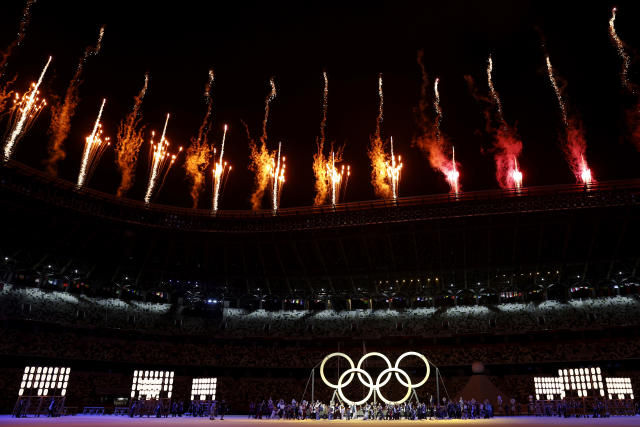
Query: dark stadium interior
{"x": 545, "y": 250}
{"x": 495, "y": 285}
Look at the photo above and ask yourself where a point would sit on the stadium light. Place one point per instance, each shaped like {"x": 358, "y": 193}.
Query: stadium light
{"x": 152, "y": 384}
{"x": 619, "y": 387}
{"x": 44, "y": 381}
{"x": 585, "y": 382}
{"x": 203, "y": 388}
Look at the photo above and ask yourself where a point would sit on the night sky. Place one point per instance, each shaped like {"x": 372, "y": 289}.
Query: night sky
{"x": 177, "y": 42}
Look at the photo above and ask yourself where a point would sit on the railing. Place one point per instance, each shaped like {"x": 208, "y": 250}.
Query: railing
{"x": 20, "y": 178}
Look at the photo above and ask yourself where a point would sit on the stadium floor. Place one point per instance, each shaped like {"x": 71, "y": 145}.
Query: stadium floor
{"x": 241, "y": 421}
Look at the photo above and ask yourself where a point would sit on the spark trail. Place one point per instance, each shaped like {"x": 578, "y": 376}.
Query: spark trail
{"x": 220, "y": 173}
{"x": 22, "y": 30}
{"x": 452, "y": 174}
{"x": 507, "y": 146}
{"x": 338, "y": 179}
{"x": 319, "y": 159}
{"x": 624, "y": 56}
{"x": 62, "y": 114}
{"x": 429, "y": 137}
{"x": 160, "y": 161}
{"x": 277, "y": 179}
{"x": 94, "y": 147}
{"x": 261, "y": 159}
{"x": 5, "y": 92}
{"x": 25, "y": 111}
{"x": 199, "y": 152}
{"x": 448, "y": 168}
{"x": 331, "y": 180}
{"x": 632, "y": 113}
{"x": 575, "y": 145}
{"x": 129, "y": 141}
{"x": 382, "y": 182}
{"x": 394, "y": 166}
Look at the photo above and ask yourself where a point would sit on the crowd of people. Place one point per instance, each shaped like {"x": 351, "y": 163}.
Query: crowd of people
{"x": 72, "y": 309}
{"x": 461, "y": 409}
{"x": 82, "y": 345}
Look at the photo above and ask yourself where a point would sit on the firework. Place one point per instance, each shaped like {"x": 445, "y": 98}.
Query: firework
{"x": 507, "y": 146}
{"x": 494, "y": 93}
{"x": 448, "y": 168}
{"x": 5, "y": 94}
{"x": 382, "y": 181}
{"x": 22, "y": 30}
{"x": 575, "y": 143}
{"x": 277, "y": 178}
{"x": 199, "y": 153}
{"x": 25, "y": 111}
{"x": 94, "y": 147}
{"x": 261, "y": 158}
{"x": 556, "y": 89}
{"x": 129, "y": 141}
{"x": 325, "y": 105}
{"x": 429, "y": 137}
{"x": 220, "y": 173}
{"x": 516, "y": 174}
{"x": 380, "y": 108}
{"x": 61, "y": 114}
{"x": 320, "y": 165}
{"x": 331, "y": 179}
{"x": 160, "y": 161}
{"x": 624, "y": 56}
{"x": 633, "y": 113}
{"x": 338, "y": 180}
{"x": 335, "y": 177}
{"x": 452, "y": 173}
{"x": 394, "y": 166}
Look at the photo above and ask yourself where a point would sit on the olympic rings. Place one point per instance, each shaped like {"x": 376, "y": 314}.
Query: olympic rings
{"x": 367, "y": 381}
{"x": 397, "y": 371}
{"x": 325, "y": 361}
{"x": 359, "y": 371}
{"x": 383, "y": 357}
{"x": 426, "y": 362}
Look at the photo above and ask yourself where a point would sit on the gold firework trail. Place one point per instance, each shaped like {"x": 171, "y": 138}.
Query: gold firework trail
{"x": 261, "y": 159}
{"x": 494, "y": 93}
{"x": 25, "y": 111}
{"x": 624, "y": 56}
{"x": 160, "y": 161}
{"x": 22, "y": 30}
{"x": 319, "y": 160}
{"x": 129, "y": 141}
{"x": 62, "y": 114}
{"x": 556, "y": 88}
{"x": 220, "y": 173}
{"x": 277, "y": 179}
{"x": 94, "y": 147}
{"x": 199, "y": 152}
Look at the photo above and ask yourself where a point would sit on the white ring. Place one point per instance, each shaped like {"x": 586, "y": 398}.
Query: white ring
{"x": 351, "y": 371}
{"x": 380, "y": 355}
{"x": 325, "y": 361}
{"x": 397, "y": 371}
{"x": 426, "y": 362}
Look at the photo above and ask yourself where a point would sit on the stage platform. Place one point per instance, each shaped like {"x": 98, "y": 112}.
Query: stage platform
{"x": 242, "y": 421}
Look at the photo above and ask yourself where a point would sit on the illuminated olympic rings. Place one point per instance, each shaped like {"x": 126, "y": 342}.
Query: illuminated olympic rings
{"x": 366, "y": 379}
